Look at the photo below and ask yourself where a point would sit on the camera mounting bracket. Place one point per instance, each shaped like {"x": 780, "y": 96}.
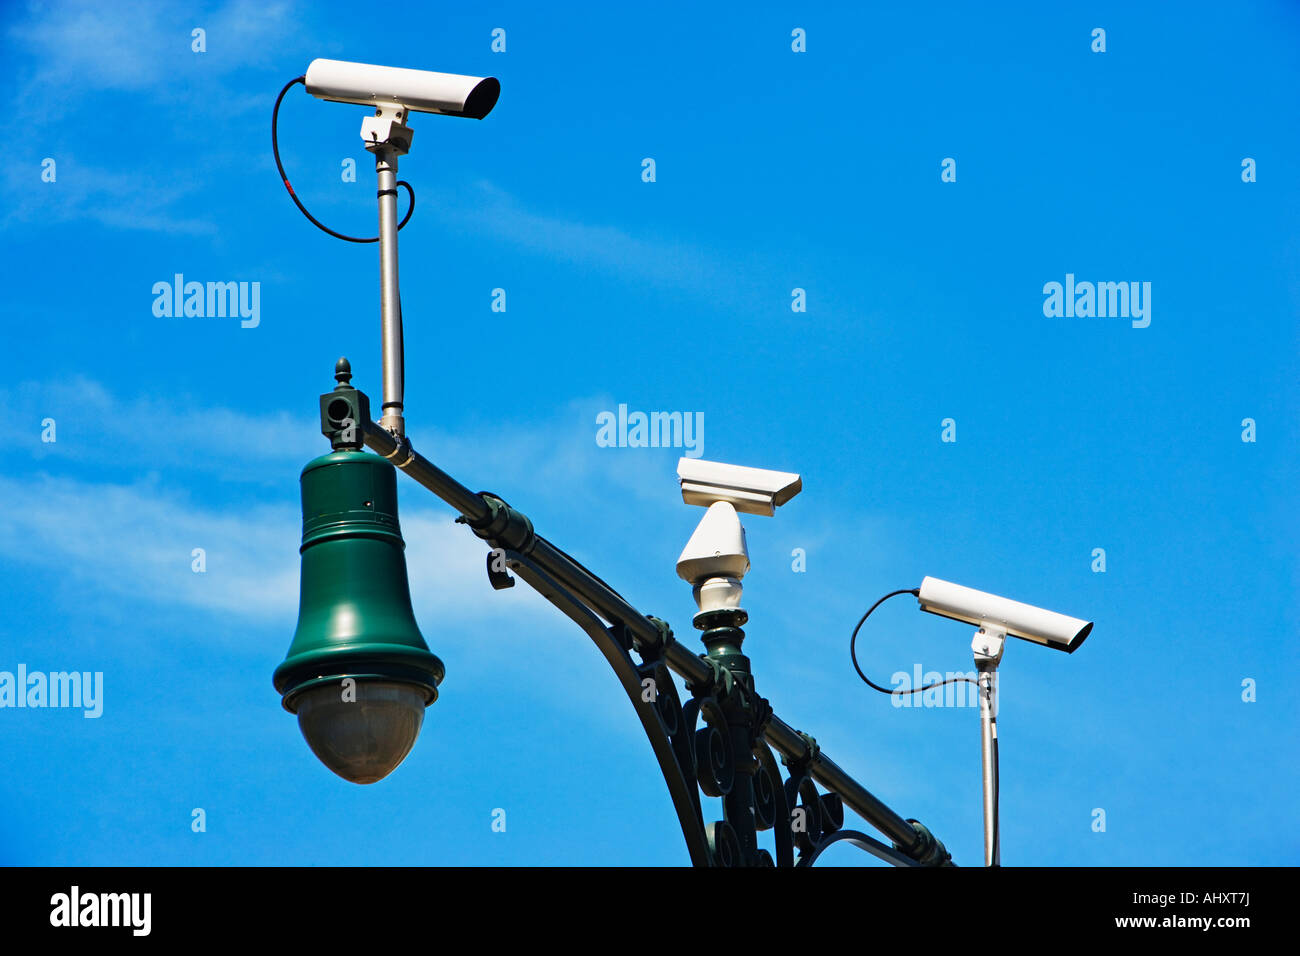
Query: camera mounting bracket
{"x": 387, "y": 130}
{"x": 989, "y": 642}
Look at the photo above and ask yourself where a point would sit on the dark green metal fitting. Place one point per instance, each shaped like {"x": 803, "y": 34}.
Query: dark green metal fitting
{"x": 718, "y": 683}
{"x": 344, "y": 411}
{"x": 665, "y": 633}
{"x": 720, "y": 617}
{"x": 723, "y": 645}
{"x": 814, "y": 751}
{"x": 928, "y": 850}
{"x": 503, "y": 525}
{"x": 803, "y": 763}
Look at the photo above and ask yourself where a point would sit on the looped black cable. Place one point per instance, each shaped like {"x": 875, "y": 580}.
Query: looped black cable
{"x": 853, "y": 652}
{"x": 275, "y": 149}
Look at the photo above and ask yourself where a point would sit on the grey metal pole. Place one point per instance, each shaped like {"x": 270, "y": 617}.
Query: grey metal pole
{"x": 390, "y": 299}
{"x": 989, "y": 754}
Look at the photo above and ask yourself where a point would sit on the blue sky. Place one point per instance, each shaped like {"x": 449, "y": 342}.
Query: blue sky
{"x": 775, "y": 170}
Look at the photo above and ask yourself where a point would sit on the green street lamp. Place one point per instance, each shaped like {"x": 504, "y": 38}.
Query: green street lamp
{"x": 358, "y": 674}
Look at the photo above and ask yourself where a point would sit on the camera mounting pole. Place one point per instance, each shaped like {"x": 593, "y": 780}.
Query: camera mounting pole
{"x": 388, "y": 137}
{"x": 988, "y": 644}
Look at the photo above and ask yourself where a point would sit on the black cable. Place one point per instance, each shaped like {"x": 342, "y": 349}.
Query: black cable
{"x": 853, "y": 652}
{"x": 997, "y": 795}
{"x": 275, "y": 150}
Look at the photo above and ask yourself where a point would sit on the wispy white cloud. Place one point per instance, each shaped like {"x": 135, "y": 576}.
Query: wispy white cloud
{"x": 119, "y": 200}
{"x": 87, "y": 45}
{"x": 488, "y": 209}
{"x": 118, "y": 501}
{"x": 91, "y": 423}
{"x": 131, "y": 66}
{"x": 136, "y": 541}
{"x": 78, "y": 48}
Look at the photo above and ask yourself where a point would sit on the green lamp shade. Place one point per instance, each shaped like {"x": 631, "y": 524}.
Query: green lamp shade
{"x": 358, "y": 673}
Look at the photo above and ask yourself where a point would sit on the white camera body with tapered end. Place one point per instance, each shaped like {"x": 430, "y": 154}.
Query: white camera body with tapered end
{"x": 1024, "y": 621}
{"x": 751, "y": 490}
{"x": 424, "y": 91}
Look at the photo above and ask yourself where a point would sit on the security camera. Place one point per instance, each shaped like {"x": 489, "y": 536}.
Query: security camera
{"x": 1015, "y": 619}
{"x": 754, "y": 491}
{"x": 996, "y": 619}
{"x": 717, "y": 557}
{"x": 421, "y": 90}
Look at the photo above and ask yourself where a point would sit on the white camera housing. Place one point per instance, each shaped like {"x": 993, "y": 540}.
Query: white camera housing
{"x": 754, "y": 491}
{"x": 1024, "y": 621}
{"x": 717, "y": 556}
{"x": 424, "y": 91}
{"x": 717, "y": 548}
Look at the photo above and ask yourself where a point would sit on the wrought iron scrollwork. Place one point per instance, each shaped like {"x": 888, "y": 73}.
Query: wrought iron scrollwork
{"x": 656, "y": 703}
{"x": 727, "y": 756}
{"x": 714, "y": 744}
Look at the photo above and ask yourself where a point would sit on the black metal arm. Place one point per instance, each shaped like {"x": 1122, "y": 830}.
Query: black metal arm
{"x": 728, "y": 754}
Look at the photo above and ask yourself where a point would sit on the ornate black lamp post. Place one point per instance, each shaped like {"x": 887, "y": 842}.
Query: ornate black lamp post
{"x": 357, "y": 625}
{"x": 359, "y": 674}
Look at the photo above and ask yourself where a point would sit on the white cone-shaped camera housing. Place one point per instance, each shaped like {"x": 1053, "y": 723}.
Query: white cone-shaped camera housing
{"x": 717, "y": 549}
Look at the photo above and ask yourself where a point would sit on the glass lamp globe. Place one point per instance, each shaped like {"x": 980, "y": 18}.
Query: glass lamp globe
{"x": 363, "y": 739}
